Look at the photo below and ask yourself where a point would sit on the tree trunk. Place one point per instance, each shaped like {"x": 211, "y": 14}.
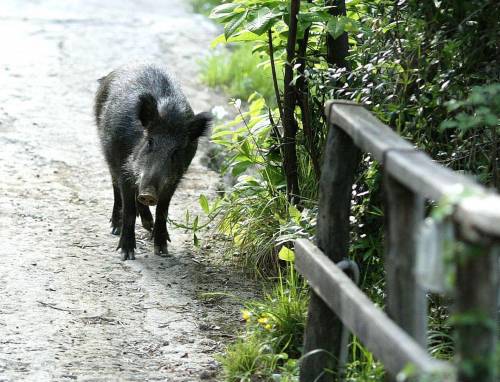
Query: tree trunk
{"x": 289, "y": 122}
{"x": 338, "y": 48}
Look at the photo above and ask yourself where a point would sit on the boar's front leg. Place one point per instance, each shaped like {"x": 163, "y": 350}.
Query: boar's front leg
{"x": 160, "y": 233}
{"x": 127, "y": 237}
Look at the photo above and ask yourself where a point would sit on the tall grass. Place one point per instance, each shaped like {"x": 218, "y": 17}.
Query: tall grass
{"x": 238, "y": 72}
{"x": 363, "y": 366}
{"x": 273, "y": 335}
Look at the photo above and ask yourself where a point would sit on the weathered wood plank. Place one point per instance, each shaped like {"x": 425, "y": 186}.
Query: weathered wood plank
{"x": 406, "y": 302}
{"x": 479, "y": 211}
{"x": 415, "y": 169}
{"x": 323, "y": 328}
{"x": 476, "y": 314}
{"x": 421, "y": 174}
{"x": 389, "y": 343}
{"x": 479, "y": 214}
{"x": 367, "y": 132}
{"x": 476, "y": 215}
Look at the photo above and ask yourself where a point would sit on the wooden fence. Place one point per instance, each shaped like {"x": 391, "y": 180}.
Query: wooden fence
{"x": 421, "y": 253}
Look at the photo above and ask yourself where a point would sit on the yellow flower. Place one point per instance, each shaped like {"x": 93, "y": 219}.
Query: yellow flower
{"x": 263, "y": 320}
{"x": 268, "y": 326}
{"x": 245, "y": 314}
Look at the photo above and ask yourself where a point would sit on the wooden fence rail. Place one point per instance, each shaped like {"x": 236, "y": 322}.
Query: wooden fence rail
{"x": 470, "y": 231}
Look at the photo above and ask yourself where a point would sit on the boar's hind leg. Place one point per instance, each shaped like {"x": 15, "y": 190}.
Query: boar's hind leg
{"x": 146, "y": 217}
{"x": 160, "y": 233}
{"x": 127, "y": 238}
{"x": 116, "y": 215}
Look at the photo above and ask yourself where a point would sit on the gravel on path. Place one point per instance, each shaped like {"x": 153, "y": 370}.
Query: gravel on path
{"x": 70, "y": 309}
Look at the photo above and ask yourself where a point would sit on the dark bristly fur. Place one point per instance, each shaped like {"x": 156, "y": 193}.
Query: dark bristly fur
{"x": 149, "y": 135}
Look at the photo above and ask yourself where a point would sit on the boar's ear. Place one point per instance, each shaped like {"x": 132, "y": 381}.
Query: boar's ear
{"x": 148, "y": 109}
{"x": 199, "y": 125}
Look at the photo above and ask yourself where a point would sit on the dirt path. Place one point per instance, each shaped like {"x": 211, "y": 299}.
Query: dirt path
{"x": 69, "y": 308}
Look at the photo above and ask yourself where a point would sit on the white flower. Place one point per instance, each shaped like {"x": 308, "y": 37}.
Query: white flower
{"x": 219, "y": 112}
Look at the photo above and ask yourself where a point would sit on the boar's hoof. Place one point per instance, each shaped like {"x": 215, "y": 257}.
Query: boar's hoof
{"x": 128, "y": 254}
{"x": 116, "y": 231}
{"x": 161, "y": 250}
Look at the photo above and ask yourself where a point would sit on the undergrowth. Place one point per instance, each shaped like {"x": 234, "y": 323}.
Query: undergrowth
{"x": 238, "y": 72}
{"x": 271, "y": 342}
{"x": 418, "y": 67}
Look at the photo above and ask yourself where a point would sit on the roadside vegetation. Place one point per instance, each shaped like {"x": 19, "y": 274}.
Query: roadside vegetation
{"x": 239, "y": 73}
{"x": 429, "y": 70}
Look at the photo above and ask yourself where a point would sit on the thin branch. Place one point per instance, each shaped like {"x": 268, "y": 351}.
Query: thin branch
{"x": 303, "y": 103}
{"x": 273, "y": 71}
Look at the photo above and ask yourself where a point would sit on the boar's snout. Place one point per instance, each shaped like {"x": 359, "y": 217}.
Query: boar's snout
{"x": 148, "y": 197}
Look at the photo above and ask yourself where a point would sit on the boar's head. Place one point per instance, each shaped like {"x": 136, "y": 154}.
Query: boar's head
{"x": 170, "y": 135}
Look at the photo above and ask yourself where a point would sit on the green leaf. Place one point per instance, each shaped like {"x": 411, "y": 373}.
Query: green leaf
{"x": 204, "y": 204}
{"x": 336, "y": 26}
{"x": 305, "y": 19}
{"x": 246, "y": 36}
{"x": 294, "y": 213}
{"x": 453, "y": 105}
{"x": 286, "y": 254}
{"x": 262, "y": 20}
{"x": 448, "y": 124}
{"x": 220, "y": 39}
{"x": 225, "y": 11}
{"x": 233, "y": 25}
{"x": 491, "y": 119}
{"x": 222, "y": 133}
{"x": 446, "y": 206}
{"x": 238, "y": 37}
{"x": 240, "y": 168}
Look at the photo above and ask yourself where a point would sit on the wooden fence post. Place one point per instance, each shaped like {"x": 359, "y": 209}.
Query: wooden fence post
{"x": 323, "y": 333}
{"x": 406, "y": 302}
{"x": 476, "y": 314}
